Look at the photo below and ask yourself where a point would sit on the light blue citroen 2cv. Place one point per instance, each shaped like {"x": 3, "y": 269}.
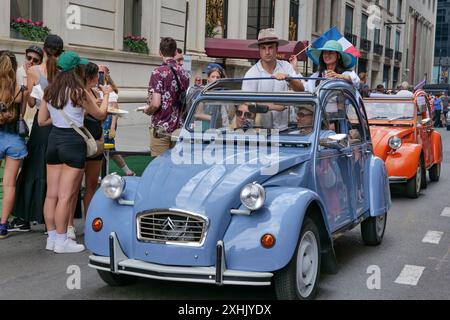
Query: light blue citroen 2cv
{"x": 254, "y": 193}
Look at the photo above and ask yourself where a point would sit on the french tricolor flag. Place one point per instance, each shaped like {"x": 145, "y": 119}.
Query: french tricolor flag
{"x": 334, "y": 34}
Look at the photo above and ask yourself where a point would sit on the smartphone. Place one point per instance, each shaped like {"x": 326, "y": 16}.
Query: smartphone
{"x": 101, "y": 78}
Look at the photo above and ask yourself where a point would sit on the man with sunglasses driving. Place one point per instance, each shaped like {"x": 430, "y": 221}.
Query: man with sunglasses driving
{"x": 33, "y": 57}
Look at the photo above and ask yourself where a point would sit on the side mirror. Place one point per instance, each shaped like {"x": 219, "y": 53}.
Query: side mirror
{"x": 337, "y": 142}
{"x": 426, "y": 122}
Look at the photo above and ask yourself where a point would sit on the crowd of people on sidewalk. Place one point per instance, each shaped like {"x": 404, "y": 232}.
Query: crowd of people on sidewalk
{"x": 43, "y": 177}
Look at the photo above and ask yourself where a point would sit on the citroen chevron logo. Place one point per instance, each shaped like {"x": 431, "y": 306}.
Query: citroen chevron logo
{"x": 168, "y": 225}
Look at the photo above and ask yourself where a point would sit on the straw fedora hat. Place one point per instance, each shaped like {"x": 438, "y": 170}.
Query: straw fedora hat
{"x": 268, "y": 36}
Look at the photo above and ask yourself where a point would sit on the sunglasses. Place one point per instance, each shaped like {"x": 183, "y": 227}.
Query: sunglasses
{"x": 35, "y": 60}
{"x": 303, "y": 114}
{"x": 247, "y": 115}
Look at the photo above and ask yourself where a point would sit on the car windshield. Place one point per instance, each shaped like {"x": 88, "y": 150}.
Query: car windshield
{"x": 225, "y": 116}
{"x": 390, "y": 110}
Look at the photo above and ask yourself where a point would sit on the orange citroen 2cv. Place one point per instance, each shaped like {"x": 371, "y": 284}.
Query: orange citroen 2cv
{"x": 403, "y": 136}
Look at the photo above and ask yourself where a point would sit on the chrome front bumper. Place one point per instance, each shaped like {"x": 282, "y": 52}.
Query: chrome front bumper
{"x": 397, "y": 180}
{"x": 119, "y": 263}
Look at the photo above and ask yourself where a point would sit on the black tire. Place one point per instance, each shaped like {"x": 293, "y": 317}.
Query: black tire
{"x": 116, "y": 280}
{"x": 285, "y": 280}
{"x": 414, "y": 185}
{"x": 435, "y": 172}
{"x": 424, "y": 175}
{"x": 373, "y": 229}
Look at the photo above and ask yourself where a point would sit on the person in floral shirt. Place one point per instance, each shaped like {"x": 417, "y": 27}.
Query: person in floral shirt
{"x": 163, "y": 103}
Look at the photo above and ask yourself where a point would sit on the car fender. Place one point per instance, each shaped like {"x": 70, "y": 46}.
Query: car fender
{"x": 404, "y": 161}
{"x": 282, "y": 216}
{"x": 116, "y": 218}
{"x": 436, "y": 142}
{"x": 380, "y": 195}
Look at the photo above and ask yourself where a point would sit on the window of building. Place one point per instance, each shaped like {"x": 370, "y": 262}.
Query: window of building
{"x": 364, "y": 19}
{"x": 387, "y": 4}
{"x": 376, "y": 38}
{"x": 132, "y": 17}
{"x": 388, "y": 37}
{"x": 261, "y": 15}
{"x": 348, "y": 20}
{"x": 28, "y": 9}
{"x": 216, "y": 18}
{"x": 293, "y": 20}
{"x": 397, "y": 40}
{"x": 386, "y": 75}
{"x": 399, "y": 8}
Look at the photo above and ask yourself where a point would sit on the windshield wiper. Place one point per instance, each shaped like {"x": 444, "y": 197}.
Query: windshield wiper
{"x": 401, "y": 118}
{"x": 379, "y": 118}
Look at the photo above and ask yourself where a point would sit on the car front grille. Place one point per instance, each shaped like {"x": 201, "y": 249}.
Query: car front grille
{"x": 171, "y": 227}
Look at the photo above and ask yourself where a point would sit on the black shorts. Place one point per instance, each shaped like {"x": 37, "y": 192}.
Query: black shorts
{"x": 66, "y": 146}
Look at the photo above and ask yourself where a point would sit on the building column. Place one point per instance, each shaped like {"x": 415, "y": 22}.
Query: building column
{"x": 196, "y": 27}
{"x": 325, "y": 16}
{"x": 5, "y": 18}
{"x": 151, "y": 28}
{"x": 305, "y": 19}
{"x": 281, "y": 24}
{"x": 237, "y": 19}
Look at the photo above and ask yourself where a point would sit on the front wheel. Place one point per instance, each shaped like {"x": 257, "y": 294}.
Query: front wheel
{"x": 435, "y": 172}
{"x": 414, "y": 185}
{"x": 298, "y": 281}
{"x": 116, "y": 280}
{"x": 373, "y": 229}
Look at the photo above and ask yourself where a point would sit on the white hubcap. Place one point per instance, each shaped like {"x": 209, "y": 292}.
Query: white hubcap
{"x": 419, "y": 178}
{"x": 307, "y": 264}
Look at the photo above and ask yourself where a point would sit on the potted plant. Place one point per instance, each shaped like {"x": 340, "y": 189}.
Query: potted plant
{"x": 29, "y": 30}
{"x": 136, "y": 44}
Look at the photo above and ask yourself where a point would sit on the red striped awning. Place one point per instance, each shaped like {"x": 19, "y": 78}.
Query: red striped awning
{"x": 238, "y": 49}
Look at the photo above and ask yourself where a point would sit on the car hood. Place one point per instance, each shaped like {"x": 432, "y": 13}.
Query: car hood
{"x": 204, "y": 188}
{"x": 381, "y": 136}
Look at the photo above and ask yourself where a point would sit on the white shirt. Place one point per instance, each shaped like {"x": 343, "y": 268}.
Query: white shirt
{"x": 21, "y": 76}
{"x": 311, "y": 84}
{"x": 405, "y": 93}
{"x": 113, "y": 97}
{"x": 274, "y": 119}
{"x": 75, "y": 114}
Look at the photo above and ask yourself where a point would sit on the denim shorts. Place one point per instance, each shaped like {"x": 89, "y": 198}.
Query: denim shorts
{"x": 12, "y": 146}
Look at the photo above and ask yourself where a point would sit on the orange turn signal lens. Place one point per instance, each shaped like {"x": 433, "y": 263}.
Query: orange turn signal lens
{"x": 268, "y": 241}
{"x": 97, "y": 225}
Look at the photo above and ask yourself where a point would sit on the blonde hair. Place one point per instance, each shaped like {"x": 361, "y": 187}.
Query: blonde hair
{"x": 110, "y": 82}
{"x": 7, "y": 80}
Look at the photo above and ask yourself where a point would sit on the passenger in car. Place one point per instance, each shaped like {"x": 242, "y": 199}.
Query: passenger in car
{"x": 305, "y": 123}
{"x": 244, "y": 119}
{"x": 333, "y": 62}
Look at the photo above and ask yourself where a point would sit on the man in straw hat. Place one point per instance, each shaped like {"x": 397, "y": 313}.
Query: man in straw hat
{"x": 269, "y": 67}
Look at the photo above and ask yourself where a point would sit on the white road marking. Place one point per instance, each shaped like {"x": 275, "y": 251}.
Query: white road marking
{"x": 433, "y": 237}
{"x": 410, "y": 275}
{"x": 446, "y": 212}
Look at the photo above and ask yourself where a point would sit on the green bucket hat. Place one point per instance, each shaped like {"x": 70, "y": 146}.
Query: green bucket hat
{"x": 69, "y": 60}
{"x": 332, "y": 45}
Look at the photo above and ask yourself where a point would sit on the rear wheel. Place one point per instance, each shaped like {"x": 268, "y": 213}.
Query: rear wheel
{"x": 414, "y": 185}
{"x": 116, "y": 280}
{"x": 435, "y": 172}
{"x": 372, "y": 230}
{"x": 298, "y": 281}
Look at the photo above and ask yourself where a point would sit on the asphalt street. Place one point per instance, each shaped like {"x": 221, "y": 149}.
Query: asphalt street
{"x": 408, "y": 267}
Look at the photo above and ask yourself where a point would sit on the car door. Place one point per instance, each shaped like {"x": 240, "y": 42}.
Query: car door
{"x": 427, "y": 131}
{"x": 359, "y": 155}
{"x": 333, "y": 173}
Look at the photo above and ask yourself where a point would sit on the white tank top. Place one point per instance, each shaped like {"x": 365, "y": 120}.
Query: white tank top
{"x": 76, "y": 114}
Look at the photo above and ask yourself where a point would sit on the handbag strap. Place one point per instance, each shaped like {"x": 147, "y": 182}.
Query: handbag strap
{"x": 74, "y": 127}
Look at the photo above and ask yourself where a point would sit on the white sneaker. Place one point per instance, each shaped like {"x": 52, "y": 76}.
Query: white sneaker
{"x": 71, "y": 233}
{"x": 69, "y": 246}
{"x": 50, "y": 245}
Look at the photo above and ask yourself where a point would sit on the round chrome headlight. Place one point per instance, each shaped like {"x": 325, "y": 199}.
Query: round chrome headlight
{"x": 113, "y": 186}
{"x": 253, "y": 196}
{"x": 395, "y": 143}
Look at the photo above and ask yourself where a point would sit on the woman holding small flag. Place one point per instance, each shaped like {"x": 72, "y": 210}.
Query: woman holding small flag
{"x": 333, "y": 62}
